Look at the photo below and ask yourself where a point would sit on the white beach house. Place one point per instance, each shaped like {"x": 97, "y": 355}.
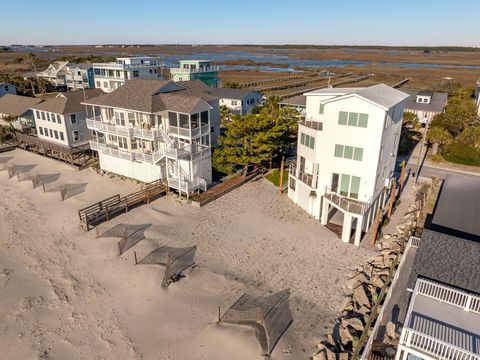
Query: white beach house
{"x": 346, "y": 154}
{"x": 111, "y": 75}
{"x": 154, "y": 129}
{"x": 62, "y": 119}
{"x": 239, "y": 101}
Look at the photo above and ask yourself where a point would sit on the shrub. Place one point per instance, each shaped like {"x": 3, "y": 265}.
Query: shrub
{"x": 461, "y": 154}
{"x": 437, "y": 158}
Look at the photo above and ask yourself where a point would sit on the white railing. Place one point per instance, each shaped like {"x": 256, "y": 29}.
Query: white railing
{"x": 449, "y": 295}
{"x": 414, "y": 241}
{"x": 102, "y": 148}
{"x": 196, "y": 70}
{"x": 439, "y": 349}
{"x": 109, "y": 128}
{"x": 187, "y": 186}
{"x": 148, "y": 134}
{"x": 350, "y": 205}
{"x": 307, "y": 179}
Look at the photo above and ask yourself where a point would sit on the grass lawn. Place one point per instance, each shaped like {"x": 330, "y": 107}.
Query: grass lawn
{"x": 274, "y": 177}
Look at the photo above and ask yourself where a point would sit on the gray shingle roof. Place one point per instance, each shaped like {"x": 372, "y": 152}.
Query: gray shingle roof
{"x": 227, "y": 93}
{"x": 457, "y": 211}
{"x": 146, "y": 96}
{"x": 300, "y": 100}
{"x": 16, "y": 105}
{"x": 68, "y": 102}
{"x": 437, "y": 102}
{"x": 448, "y": 259}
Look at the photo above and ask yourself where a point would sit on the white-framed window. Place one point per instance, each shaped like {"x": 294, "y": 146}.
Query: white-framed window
{"x": 43, "y": 116}
{"x": 73, "y": 119}
{"x": 353, "y": 119}
{"x": 98, "y": 84}
{"x": 322, "y": 108}
{"x": 55, "y": 132}
{"x": 234, "y": 102}
{"x": 61, "y": 136}
{"x": 346, "y": 185}
{"x": 75, "y": 135}
{"x": 122, "y": 142}
{"x": 349, "y": 152}
{"x": 59, "y": 119}
{"x": 307, "y": 140}
{"x": 51, "y": 132}
{"x": 37, "y": 114}
{"x": 40, "y": 129}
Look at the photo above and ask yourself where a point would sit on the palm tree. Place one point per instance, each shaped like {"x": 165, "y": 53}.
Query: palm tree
{"x": 272, "y": 104}
{"x": 437, "y": 137}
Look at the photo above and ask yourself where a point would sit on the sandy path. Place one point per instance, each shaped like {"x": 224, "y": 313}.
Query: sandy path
{"x": 66, "y": 295}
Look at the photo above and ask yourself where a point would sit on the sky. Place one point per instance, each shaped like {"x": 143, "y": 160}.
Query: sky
{"x": 319, "y": 22}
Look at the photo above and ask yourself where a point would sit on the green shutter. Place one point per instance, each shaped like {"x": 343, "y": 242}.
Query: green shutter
{"x": 355, "y": 188}
{"x": 338, "y": 150}
{"x": 363, "y": 120}
{"x": 352, "y": 119}
{"x": 358, "y": 154}
{"x": 322, "y": 108}
{"x": 344, "y": 185}
{"x": 342, "y": 118}
{"x": 302, "y": 138}
{"x": 348, "y": 152}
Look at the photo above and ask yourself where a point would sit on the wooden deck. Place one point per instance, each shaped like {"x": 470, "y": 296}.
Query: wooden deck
{"x": 78, "y": 156}
{"x": 107, "y": 208}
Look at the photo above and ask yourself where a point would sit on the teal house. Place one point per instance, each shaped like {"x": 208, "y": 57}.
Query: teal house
{"x": 196, "y": 70}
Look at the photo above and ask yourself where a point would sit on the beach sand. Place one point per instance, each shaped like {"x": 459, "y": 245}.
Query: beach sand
{"x": 65, "y": 294}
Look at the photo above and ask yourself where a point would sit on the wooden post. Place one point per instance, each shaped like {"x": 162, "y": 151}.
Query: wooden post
{"x": 402, "y": 178}
{"x": 376, "y": 225}
{"x": 126, "y": 204}
{"x": 106, "y": 211}
{"x": 392, "y": 199}
{"x": 135, "y": 256}
{"x": 282, "y": 165}
{"x": 219, "y": 316}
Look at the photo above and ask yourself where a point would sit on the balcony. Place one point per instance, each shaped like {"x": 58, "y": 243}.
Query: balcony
{"x": 304, "y": 177}
{"x": 348, "y": 204}
{"x": 315, "y": 125}
{"x": 186, "y": 132}
{"x": 128, "y": 131}
{"x": 187, "y": 186}
{"x": 189, "y": 70}
{"x": 151, "y": 158}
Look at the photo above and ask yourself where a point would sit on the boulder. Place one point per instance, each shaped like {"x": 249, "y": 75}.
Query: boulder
{"x": 377, "y": 282}
{"x": 354, "y": 323}
{"x": 343, "y": 356}
{"x": 363, "y": 310}
{"x": 345, "y": 336}
{"x": 357, "y": 280}
{"x": 360, "y": 296}
{"x": 321, "y": 355}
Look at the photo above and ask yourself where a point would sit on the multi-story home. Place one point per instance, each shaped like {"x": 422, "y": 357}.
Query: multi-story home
{"x": 16, "y": 110}
{"x": 6, "y": 88}
{"x": 66, "y": 76}
{"x": 201, "y": 70}
{"x": 443, "y": 316}
{"x": 239, "y": 101}
{"x": 154, "y": 129}
{"x": 346, "y": 153}
{"x": 426, "y": 104}
{"x": 111, "y": 75}
{"x": 62, "y": 119}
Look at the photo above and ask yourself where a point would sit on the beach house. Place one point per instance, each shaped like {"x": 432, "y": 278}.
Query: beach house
{"x": 201, "y": 70}
{"x": 66, "y": 76}
{"x": 16, "y": 110}
{"x": 346, "y": 153}
{"x": 62, "y": 119}
{"x": 111, "y": 75}
{"x": 426, "y": 104}
{"x": 154, "y": 129}
{"x": 6, "y": 88}
{"x": 239, "y": 101}
{"x": 443, "y": 316}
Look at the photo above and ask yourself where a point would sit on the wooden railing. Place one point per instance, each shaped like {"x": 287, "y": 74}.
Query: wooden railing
{"x": 437, "y": 348}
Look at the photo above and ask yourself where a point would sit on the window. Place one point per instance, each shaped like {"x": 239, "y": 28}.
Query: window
{"x": 349, "y": 185}
{"x": 172, "y": 119}
{"x": 307, "y": 140}
{"x": 76, "y": 135}
{"x": 51, "y": 133}
{"x": 43, "y": 116}
{"x": 204, "y": 117}
{"x": 234, "y": 102}
{"x": 105, "y": 84}
{"x": 61, "y": 136}
{"x": 45, "y": 132}
{"x": 48, "y": 116}
{"x": 122, "y": 142}
{"x": 183, "y": 121}
{"x": 119, "y": 118}
{"x": 353, "y": 119}
{"x": 212, "y": 129}
{"x": 40, "y": 130}
{"x": 292, "y": 182}
{"x": 6, "y": 87}
{"x": 59, "y": 119}
{"x": 98, "y": 84}
{"x": 322, "y": 108}
{"x": 349, "y": 152}
{"x": 55, "y": 133}
{"x": 194, "y": 121}
{"x": 135, "y": 73}
{"x": 73, "y": 118}
{"x": 37, "y": 113}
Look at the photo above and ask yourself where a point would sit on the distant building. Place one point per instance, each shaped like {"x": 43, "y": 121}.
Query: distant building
{"x": 443, "y": 316}
{"x": 239, "y": 101}
{"x": 155, "y": 129}
{"x": 62, "y": 120}
{"x": 111, "y": 75}
{"x": 346, "y": 152}
{"x": 19, "y": 108}
{"x": 426, "y": 104}
{"x": 66, "y": 76}
{"x": 298, "y": 103}
{"x": 6, "y": 88}
{"x": 477, "y": 96}
{"x": 196, "y": 70}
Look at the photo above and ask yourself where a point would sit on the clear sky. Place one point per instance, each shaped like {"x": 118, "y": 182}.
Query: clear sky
{"x": 353, "y": 22}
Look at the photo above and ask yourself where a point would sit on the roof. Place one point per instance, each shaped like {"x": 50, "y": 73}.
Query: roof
{"x": 68, "y": 102}
{"x": 152, "y": 96}
{"x": 54, "y": 68}
{"x": 437, "y": 103}
{"x": 227, "y": 93}
{"x": 300, "y": 100}
{"x": 447, "y": 259}
{"x": 380, "y": 94}
{"x": 458, "y": 206}
{"x": 16, "y": 105}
